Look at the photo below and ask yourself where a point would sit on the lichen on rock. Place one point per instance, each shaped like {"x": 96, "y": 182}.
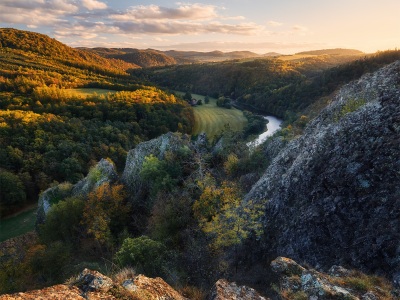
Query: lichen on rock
{"x": 332, "y": 194}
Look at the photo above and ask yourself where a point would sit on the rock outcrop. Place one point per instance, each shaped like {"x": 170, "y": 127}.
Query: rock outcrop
{"x": 297, "y": 282}
{"x": 103, "y": 171}
{"x": 94, "y": 285}
{"x": 157, "y": 147}
{"x": 332, "y": 195}
{"x": 224, "y": 290}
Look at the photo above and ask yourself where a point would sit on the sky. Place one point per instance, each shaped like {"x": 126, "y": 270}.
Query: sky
{"x": 261, "y": 26}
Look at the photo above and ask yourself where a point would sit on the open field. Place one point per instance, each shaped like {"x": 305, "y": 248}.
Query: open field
{"x": 90, "y": 91}
{"x": 18, "y": 224}
{"x": 212, "y": 119}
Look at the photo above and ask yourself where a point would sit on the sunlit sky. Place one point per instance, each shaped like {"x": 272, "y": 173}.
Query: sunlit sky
{"x": 285, "y": 26}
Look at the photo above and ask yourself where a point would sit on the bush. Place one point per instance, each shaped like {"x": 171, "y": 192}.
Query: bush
{"x": 63, "y": 222}
{"x": 143, "y": 253}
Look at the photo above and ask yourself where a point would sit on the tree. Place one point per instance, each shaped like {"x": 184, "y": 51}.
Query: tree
{"x": 63, "y": 222}
{"x": 12, "y": 193}
{"x": 143, "y": 253}
{"x": 187, "y": 96}
{"x": 105, "y": 212}
{"x": 229, "y": 221}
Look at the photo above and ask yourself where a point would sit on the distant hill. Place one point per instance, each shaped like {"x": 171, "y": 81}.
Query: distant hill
{"x": 213, "y": 56}
{"x": 337, "y": 51}
{"x": 40, "y": 44}
{"x": 272, "y": 54}
{"x": 143, "y": 58}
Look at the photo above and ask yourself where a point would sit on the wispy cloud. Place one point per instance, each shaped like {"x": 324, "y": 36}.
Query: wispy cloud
{"x": 94, "y": 4}
{"x": 182, "y": 12}
{"x": 299, "y": 28}
{"x": 70, "y": 18}
{"x": 274, "y": 24}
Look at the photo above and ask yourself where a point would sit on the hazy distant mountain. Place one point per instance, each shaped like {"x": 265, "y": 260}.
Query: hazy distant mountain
{"x": 337, "y": 51}
{"x": 196, "y": 56}
{"x": 272, "y": 54}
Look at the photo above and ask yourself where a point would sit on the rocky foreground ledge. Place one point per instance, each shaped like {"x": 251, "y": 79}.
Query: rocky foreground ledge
{"x": 295, "y": 282}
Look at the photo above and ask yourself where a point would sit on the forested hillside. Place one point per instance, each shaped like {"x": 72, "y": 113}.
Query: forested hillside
{"x": 143, "y": 58}
{"x": 274, "y": 86}
{"x": 49, "y": 133}
{"x": 39, "y": 46}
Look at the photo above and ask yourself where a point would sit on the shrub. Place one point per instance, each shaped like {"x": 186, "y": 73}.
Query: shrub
{"x": 143, "y": 253}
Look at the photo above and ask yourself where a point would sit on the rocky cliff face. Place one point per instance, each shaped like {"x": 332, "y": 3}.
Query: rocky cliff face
{"x": 157, "y": 147}
{"x": 332, "y": 195}
{"x": 103, "y": 171}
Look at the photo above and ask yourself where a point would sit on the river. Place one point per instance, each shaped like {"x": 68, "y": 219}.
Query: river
{"x": 274, "y": 124}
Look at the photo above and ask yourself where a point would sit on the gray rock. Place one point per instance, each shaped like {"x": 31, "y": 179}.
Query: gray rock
{"x": 104, "y": 171}
{"x": 89, "y": 281}
{"x": 224, "y": 290}
{"x": 157, "y": 147}
{"x": 338, "y": 271}
{"x": 332, "y": 194}
{"x": 50, "y": 197}
{"x": 369, "y": 296}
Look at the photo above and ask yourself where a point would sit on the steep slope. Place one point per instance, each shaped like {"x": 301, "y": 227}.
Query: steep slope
{"x": 42, "y": 45}
{"x": 332, "y": 195}
{"x": 143, "y": 58}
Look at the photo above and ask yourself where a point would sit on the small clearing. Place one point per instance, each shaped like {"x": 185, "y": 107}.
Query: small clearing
{"x": 213, "y": 120}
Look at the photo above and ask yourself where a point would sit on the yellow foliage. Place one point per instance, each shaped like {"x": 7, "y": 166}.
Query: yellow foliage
{"x": 104, "y": 206}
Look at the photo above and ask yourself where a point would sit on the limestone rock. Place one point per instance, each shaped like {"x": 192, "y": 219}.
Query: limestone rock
{"x": 91, "y": 281}
{"x": 295, "y": 279}
{"x": 332, "y": 194}
{"x": 157, "y": 147}
{"x": 286, "y": 266}
{"x": 224, "y": 290}
{"x": 94, "y": 285}
{"x": 339, "y": 271}
{"x": 143, "y": 287}
{"x": 56, "y": 292}
{"x": 104, "y": 171}
{"x": 50, "y": 197}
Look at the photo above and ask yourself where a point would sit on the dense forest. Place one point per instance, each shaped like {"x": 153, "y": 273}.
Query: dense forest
{"x": 50, "y": 134}
{"x": 274, "y": 86}
{"x": 143, "y": 58}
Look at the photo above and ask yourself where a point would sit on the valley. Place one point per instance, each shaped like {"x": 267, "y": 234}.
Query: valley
{"x": 106, "y": 142}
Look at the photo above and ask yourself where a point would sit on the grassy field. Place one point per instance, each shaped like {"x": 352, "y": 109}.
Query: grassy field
{"x": 18, "y": 224}
{"x": 90, "y": 91}
{"x": 212, "y": 119}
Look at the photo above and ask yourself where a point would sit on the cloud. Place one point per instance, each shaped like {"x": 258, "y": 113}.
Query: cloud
{"x": 188, "y": 11}
{"x": 72, "y": 18}
{"x": 179, "y": 27}
{"x": 93, "y": 4}
{"x": 258, "y": 47}
{"x": 275, "y": 24}
{"x": 36, "y": 12}
{"x": 299, "y": 28}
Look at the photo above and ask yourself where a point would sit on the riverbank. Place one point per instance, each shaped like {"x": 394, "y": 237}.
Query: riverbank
{"x": 273, "y": 125}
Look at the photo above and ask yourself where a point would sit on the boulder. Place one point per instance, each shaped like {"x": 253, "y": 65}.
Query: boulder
{"x": 225, "y": 290}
